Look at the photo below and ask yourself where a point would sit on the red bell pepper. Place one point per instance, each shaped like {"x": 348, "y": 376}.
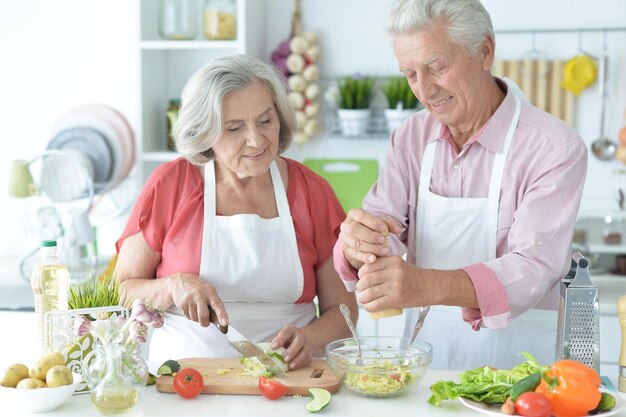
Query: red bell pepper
{"x": 572, "y": 388}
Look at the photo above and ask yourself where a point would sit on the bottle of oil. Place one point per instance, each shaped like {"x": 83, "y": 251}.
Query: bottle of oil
{"x": 50, "y": 281}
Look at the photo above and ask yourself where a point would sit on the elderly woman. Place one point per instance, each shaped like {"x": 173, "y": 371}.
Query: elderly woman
{"x": 481, "y": 189}
{"x": 233, "y": 227}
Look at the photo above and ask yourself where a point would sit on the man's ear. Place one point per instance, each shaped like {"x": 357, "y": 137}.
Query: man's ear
{"x": 487, "y": 53}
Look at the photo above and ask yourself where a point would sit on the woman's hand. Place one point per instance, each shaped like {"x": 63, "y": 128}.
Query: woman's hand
{"x": 299, "y": 349}
{"x": 364, "y": 236}
{"x": 193, "y": 296}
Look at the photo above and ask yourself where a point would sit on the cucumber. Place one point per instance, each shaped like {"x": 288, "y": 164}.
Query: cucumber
{"x": 151, "y": 379}
{"x": 320, "y": 399}
{"x": 524, "y": 385}
{"x": 607, "y": 403}
{"x": 169, "y": 367}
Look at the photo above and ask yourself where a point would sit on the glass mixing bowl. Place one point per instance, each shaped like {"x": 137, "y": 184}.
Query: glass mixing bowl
{"x": 390, "y": 366}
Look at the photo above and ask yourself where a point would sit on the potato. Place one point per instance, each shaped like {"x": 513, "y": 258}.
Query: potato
{"x": 11, "y": 377}
{"x": 31, "y": 383}
{"x": 21, "y": 368}
{"x": 44, "y": 363}
{"x": 59, "y": 375}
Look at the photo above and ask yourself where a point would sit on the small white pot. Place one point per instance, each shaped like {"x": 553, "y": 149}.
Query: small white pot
{"x": 354, "y": 122}
{"x": 395, "y": 117}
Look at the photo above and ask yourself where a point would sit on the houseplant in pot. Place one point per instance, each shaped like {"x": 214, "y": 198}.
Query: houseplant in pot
{"x": 353, "y": 101}
{"x": 401, "y": 101}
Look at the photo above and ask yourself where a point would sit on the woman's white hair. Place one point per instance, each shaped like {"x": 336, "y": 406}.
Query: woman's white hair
{"x": 467, "y": 23}
{"x": 200, "y": 125}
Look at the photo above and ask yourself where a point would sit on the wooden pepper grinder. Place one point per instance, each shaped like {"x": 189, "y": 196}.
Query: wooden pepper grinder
{"x": 621, "y": 311}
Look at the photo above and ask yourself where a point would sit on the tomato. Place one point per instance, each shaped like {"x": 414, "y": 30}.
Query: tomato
{"x": 188, "y": 383}
{"x": 271, "y": 389}
{"x": 533, "y": 404}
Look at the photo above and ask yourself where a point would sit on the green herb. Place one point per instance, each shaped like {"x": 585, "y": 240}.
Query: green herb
{"x": 355, "y": 92}
{"x": 102, "y": 291}
{"x": 486, "y": 384}
{"x": 397, "y": 90}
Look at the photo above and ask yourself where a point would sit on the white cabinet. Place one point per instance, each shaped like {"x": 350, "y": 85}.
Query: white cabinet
{"x": 166, "y": 65}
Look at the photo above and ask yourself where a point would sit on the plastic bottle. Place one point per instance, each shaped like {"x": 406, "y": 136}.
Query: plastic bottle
{"x": 50, "y": 281}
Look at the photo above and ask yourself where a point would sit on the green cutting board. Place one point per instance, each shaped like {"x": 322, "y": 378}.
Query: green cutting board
{"x": 351, "y": 179}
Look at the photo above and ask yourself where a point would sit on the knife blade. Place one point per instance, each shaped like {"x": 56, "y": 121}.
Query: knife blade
{"x": 242, "y": 345}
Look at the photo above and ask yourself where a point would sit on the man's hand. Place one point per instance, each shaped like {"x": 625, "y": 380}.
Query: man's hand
{"x": 386, "y": 283}
{"x": 364, "y": 236}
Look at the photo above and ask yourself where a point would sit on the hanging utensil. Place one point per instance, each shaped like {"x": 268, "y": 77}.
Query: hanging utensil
{"x": 603, "y": 148}
{"x": 345, "y": 310}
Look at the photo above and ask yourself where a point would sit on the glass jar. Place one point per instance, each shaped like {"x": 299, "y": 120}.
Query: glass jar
{"x": 177, "y": 19}
{"x": 220, "y": 19}
{"x": 116, "y": 375}
{"x": 172, "y": 117}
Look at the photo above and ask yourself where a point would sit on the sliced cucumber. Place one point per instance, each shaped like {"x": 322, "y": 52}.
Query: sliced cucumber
{"x": 275, "y": 354}
{"x": 151, "y": 379}
{"x": 320, "y": 399}
{"x": 169, "y": 367}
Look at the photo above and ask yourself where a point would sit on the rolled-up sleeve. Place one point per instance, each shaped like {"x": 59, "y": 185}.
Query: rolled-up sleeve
{"x": 533, "y": 254}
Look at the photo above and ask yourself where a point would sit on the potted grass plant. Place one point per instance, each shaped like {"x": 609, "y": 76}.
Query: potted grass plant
{"x": 353, "y": 102}
{"x": 401, "y": 102}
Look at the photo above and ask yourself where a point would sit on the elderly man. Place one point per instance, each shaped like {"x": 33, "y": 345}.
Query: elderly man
{"x": 481, "y": 190}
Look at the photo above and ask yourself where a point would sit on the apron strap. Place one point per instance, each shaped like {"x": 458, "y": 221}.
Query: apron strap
{"x": 279, "y": 191}
{"x": 426, "y": 170}
{"x": 209, "y": 189}
{"x": 497, "y": 173}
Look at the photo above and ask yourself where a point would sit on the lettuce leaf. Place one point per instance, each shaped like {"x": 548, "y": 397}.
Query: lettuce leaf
{"x": 486, "y": 384}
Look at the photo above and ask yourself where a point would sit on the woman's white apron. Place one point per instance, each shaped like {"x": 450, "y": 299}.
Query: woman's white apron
{"x": 255, "y": 267}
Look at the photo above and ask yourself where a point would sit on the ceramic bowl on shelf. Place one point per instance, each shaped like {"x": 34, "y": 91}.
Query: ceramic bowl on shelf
{"x": 39, "y": 400}
{"x": 389, "y": 366}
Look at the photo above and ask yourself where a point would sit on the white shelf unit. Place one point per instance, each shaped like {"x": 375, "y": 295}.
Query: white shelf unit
{"x": 166, "y": 65}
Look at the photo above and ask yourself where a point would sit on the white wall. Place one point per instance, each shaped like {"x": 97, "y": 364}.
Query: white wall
{"x": 352, "y": 40}
{"x": 59, "y": 54}
{"x": 55, "y": 55}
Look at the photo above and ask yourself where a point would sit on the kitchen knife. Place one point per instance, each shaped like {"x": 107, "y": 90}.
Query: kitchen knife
{"x": 242, "y": 345}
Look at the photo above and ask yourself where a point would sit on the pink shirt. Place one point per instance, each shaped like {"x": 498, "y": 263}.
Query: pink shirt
{"x": 541, "y": 190}
{"x": 169, "y": 212}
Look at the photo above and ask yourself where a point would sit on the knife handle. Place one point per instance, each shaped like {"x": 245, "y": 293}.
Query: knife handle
{"x": 213, "y": 319}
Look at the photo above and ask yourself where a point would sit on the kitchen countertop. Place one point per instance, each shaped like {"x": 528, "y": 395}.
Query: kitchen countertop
{"x": 343, "y": 403}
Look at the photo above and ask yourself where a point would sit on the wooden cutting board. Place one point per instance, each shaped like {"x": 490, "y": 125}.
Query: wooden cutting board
{"x": 316, "y": 374}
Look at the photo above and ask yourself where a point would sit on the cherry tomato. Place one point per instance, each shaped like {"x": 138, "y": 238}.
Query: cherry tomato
{"x": 533, "y": 404}
{"x": 188, "y": 383}
{"x": 271, "y": 389}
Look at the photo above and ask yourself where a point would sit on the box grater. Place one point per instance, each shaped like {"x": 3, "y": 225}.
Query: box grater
{"x": 578, "y": 336}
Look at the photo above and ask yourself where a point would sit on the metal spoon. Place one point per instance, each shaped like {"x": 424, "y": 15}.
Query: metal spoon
{"x": 345, "y": 310}
{"x": 603, "y": 148}
{"x": 420, "y": 322}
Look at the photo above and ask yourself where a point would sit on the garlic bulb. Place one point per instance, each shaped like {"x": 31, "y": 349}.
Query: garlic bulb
{"x": 296, "y": 59}
{"x": 297, "y": 83}
{"x": 298, "y": 45}
{"x": 295, "y": 63}
{"x": 296, "y": 100}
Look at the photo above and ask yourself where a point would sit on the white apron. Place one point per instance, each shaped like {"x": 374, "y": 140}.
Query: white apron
{"x": 454, "y": 232}
{"x": 255, "y": 267}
